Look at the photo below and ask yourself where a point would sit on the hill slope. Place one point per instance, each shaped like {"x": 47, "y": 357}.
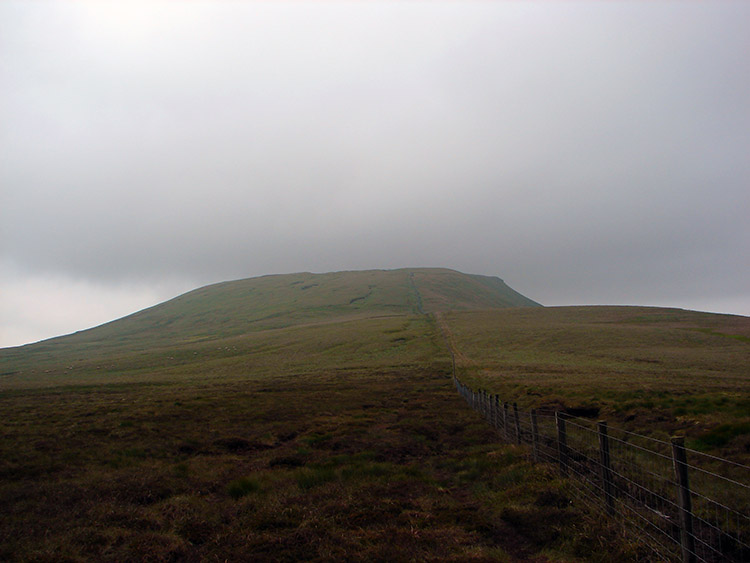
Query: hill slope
{"x": 267, "y": 317}
{"x": 448, "y": 290}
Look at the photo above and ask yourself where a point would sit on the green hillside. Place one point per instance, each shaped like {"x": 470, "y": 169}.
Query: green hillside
{"x": 448, "y": 290}
{"x": 313, "y": 417}
{"x": 656, "y": 370}
{"x": 296, "y": 321}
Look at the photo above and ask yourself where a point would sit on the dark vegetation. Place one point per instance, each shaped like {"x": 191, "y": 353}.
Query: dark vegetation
{"x": 312, "y": 417}
{"x": 374, "y": 465}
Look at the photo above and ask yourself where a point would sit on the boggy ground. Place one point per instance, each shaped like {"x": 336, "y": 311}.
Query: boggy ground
{"x": 349, "y": 465}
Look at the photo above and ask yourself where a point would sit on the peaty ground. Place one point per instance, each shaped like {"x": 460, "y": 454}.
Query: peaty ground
{"x": 372, "y": 465}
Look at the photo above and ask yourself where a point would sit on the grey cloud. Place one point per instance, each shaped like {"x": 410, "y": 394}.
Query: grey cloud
{"x": 585, "y": 153}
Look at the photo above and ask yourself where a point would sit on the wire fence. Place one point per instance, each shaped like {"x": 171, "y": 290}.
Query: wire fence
{"x": 682, "y": 504}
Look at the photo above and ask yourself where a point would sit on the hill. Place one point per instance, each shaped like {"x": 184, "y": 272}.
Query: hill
{"x": 312, "y": 417}
{"x": 263, "y": 323}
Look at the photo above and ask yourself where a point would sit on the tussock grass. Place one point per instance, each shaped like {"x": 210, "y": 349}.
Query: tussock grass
{"x": 721, "y": 436}
{"x": 308, "y": 478}
{"x": 227, "y": 471}
{"x": 242, "y": 487}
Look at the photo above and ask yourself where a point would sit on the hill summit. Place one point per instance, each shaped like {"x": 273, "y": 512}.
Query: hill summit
{"x": 278, "y": 301}
{"x": 257, "y": 309}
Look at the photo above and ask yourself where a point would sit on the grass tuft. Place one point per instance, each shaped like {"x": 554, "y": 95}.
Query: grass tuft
{"x": 243, "y": 487}
{"x": 308, "y": 478}
{"x": 720, "y": 436}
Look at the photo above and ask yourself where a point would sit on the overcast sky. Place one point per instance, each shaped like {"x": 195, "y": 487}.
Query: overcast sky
{"x": 585, "y": 152}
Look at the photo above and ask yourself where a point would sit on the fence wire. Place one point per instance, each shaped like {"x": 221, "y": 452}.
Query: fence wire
{"x": 682, "y": 504}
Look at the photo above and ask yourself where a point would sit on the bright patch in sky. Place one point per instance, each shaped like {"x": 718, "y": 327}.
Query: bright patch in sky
{"x": 39, "y": 307}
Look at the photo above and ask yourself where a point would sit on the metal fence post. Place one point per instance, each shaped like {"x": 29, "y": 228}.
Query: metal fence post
{"x": 679, "y": 459}
{"x": 534, "y": 436}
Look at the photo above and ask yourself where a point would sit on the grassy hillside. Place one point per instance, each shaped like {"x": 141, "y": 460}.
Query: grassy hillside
{"x": 661, "y": 371}
{"x": 447, "y": 290}
{"x": 285, "y": 418}
{"x": 311, "y": 417}
{"x": 285, "y": 322}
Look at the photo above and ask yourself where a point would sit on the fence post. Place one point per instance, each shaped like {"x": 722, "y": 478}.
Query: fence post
{"x": 679, "y": 459}
{"x": 505, "y": 421}
{"x": 562, "y": 443}
{"x": 497, "y": 412}
{"x": 534, "y": 436}
{"x": 517, "y": 422}
{"x": 606, "y": 467}
{"x": 492, "y": 411}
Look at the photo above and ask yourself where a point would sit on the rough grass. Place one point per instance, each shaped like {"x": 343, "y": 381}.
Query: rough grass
{"x": 325, "y": 432}
{"x": 376, "y": 465}
{"x": 359, "y": 343}
{"x": 287, "y": 317}
{"x": 656, "y": 371}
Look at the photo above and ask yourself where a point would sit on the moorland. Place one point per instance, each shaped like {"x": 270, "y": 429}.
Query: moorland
{"x": 313, "y": 417}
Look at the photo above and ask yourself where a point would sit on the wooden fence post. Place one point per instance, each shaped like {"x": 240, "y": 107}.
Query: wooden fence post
{"x": 492, "y": 411}
{"x": 534, "y": 436}
{"x": 606, "y": 467}
{"x": 505, "y": 421}
{"x": 497, "y": 412}
{"x": 517, "y": 422}
{"x": 562, "y": 443}
{"x": 687, "y": 540}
